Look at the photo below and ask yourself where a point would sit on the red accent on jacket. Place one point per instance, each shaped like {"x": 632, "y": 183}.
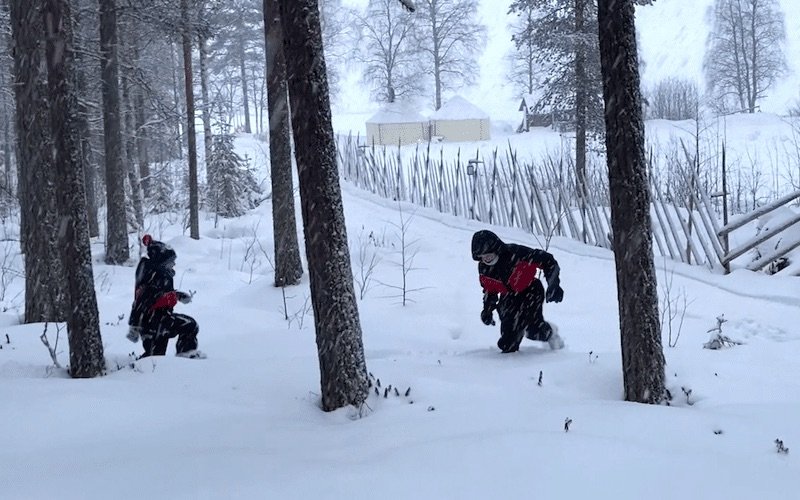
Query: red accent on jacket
{"x": 522, "y": 276}
{"x": 491, "y": 285}
{"x": 167, "y": 300}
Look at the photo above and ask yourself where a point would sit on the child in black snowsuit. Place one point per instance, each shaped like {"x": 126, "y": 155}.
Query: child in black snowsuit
{"x": 152, "y": 317}
{"x": 508, "y": 277}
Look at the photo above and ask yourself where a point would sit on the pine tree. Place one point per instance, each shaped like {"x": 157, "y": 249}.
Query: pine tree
{"x": 117, "y": 228}
{"x": 233, "y": 189}
{"x": 343, "y": 369}
{"x": 288, "y": 267}
{"x": 45, "y": 297}
{"x": 83, "y": 323}
{"x": 637, "y": 293}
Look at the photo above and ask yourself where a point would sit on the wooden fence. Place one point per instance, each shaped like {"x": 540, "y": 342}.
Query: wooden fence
{"x": 542, "y": 199}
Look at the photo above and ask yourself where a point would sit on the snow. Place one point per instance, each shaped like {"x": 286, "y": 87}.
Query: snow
{"x": 397, "y": 113}
{"x": 246, "y": 422}
{"x": 458, "y": 108}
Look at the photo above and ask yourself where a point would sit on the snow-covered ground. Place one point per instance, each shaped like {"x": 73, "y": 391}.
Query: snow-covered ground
{"x": 245, "y": 423}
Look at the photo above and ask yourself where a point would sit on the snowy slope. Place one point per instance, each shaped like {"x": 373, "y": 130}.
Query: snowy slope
{"x": 245, "y": 423}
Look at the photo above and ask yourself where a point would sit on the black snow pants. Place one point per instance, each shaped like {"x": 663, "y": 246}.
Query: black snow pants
{"x": 521, "y": 316}
{"x": 172, "y": 325}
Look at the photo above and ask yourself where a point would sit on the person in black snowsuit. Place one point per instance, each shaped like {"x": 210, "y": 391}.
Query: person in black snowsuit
{"x": 508, "y": 276}
{"x": 152, "y": 317}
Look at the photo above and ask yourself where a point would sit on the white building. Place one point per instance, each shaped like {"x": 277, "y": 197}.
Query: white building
{"x": 458, "y": 120}
{"x": 396, "y": 124}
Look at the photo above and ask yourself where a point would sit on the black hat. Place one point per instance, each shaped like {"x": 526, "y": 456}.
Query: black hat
{"x": 484, "y": 242}
{"x": 158, "y": 252}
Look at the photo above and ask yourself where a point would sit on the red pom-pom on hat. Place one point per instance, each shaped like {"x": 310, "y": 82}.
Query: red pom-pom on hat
{"x": 147, "y": 239}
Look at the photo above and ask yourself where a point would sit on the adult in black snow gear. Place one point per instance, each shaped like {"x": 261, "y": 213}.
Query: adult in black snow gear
{"x": 152, "y": 317}
{"x": 508, "y": 274}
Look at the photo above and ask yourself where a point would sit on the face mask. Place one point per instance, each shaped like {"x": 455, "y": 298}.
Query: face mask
{"x": 490, "y": 259}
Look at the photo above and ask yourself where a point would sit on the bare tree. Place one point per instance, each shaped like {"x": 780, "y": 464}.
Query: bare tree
{"x": 116, "y": 219}
{"x": 44, "y": 289}
{"x": 450, "y": 37}
{"x": 745, "y": 52}
{"x": 83, "y": 323}
{"x": 343, "y": 370}
{"x": 673, "y": 99}
{"x": 288, "y": 267}
{"x": 523, "y": 60}
{"x": 387, "y": 50}
{"x": 637, "y": 291}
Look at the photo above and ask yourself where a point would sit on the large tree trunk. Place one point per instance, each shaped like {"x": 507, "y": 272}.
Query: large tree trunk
{"x": 288, "y": 267}
{"x": 116, "y": 220}
{"x": 45, "y": 296}
{"x": 83, "y": 324}
{"x": 581, "y": 93}
{"x": 343, "y": 371}
{"x": 194, "y": 199}
{"x": 637, "y": 294}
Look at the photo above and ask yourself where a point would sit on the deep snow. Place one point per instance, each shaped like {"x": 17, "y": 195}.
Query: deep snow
{"x": 245, "y": 423}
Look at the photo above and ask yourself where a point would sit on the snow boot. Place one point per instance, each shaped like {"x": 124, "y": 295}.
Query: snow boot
{"x": 555, "y": 341}
{"x": 192, "y": 354}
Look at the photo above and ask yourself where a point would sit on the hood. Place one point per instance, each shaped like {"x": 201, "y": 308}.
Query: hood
{"x": 158, "y": 252}
{"x": 486, "y": 242}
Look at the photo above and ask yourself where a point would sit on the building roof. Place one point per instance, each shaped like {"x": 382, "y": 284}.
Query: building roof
{"x": 396, "y": 113}
{"x": 459, "y": 108}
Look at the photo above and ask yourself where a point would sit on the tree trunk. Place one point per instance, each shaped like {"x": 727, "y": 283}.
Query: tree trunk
{"x": 142, "y": 155}
{"x": 343, "y": 371}
{"x": 117, "y": 226}
{"x": 288, "y": 267}
{"x": 581, "y": 93}
{"x": 129, "y": 136}
{"x": 89, "y": 168}
{"x": 194, "y": 201}
{"x": 83, "y": 324}
{"x": 637, "y": 294}
{"x": 176, "y": 97}
{"x": 207, "y": 137}
{"x": 45, "y": 298}
{"x": 243, "y": 70}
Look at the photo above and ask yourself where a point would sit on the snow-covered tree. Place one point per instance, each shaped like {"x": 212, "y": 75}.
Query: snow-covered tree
{"x": 233, "y": 189}
{"x": 629, "y": 187}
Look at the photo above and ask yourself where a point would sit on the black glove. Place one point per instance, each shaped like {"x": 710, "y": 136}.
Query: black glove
{"x": 554, "y": 293}
{"x": 486, "y": 317}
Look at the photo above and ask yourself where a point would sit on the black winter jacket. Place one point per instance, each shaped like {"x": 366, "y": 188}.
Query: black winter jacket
{"x": 154, "y": 295}
{"x": 513, "y": 278}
